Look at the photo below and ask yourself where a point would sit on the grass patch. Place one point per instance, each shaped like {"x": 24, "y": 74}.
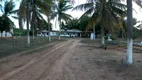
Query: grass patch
{"x": 9, "y": 46}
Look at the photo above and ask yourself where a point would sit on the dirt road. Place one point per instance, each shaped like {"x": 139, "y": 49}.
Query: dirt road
{"x": 69, "y": 60}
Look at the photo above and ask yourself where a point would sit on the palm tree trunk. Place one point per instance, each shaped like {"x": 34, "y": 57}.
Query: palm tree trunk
{"x": 49, "y": 37}
{"x": 59, "y": 30}
{"x": 28, "y": 36}
{"x": 33, "y": 20}
{"x": 13, "y": 42}
{"x": 33, "y": 33}
{"x": 103, "y": 37}
{"x": 93, "y": 32}
{"x": 129, "y": 59}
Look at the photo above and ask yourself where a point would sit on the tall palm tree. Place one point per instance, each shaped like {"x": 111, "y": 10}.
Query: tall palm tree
{"x": 129, "y": 58}
{"x": 49, "y": 15}
{"x": 129, "y": 33}
{"x": 30, "y": 11}
{"x": 61, "y": 7}
{"x": 105, "y": 12}
{"x": 45, "y": 8}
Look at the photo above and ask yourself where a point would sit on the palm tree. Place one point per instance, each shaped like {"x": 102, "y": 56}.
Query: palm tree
{"x": 61, "y": 7}
{"x": 7, "y": 10}
{"x": 49, "y": 15}
{"x": 30, "y": 11}
{"x": 129, "y": 33}
{"x": 129, "y": 58}
{"x": 105, "y": 12}
{"x": 45, "y": 8}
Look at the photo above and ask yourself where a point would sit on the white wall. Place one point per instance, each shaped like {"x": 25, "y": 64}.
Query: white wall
{"x": 8, "y": 34}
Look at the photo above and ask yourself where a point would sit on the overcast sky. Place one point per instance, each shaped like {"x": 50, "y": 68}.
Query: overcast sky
{"x": 76, "y": 13}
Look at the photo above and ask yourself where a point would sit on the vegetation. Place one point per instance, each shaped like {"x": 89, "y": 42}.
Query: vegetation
{"x": 106, "y": 13}
{"x": 8, "y": 48}
{"x": 60, "y": 8}
{"x": 5, "y": 22}
{"x": 80, "y": 24}
{"x": 31, "y": 11}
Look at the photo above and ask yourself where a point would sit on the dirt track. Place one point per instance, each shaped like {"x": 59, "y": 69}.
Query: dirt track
{"x": 70, "y": 60}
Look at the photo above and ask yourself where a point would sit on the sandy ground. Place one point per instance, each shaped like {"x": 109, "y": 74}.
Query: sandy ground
{"x": 75, "y": 59}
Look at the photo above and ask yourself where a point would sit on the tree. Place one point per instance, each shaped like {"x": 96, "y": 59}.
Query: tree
{"x": 2, "y": 28}
{"x": 61, "y": 7}
{"x": 71, "y": 24}
{"x": 129, "y": 59}
{"x": 7, "y": 10}
{"x": 45, "y": 8}
{"x": 30, "y": 11}
{"x": 4, "y": 25}
{"x": 105, "y": 12}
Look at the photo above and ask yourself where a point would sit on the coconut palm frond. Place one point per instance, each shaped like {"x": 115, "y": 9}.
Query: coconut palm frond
{"x": 88, "y": 12}
{"x": 139, "y": 2}
{"x": 1, "y": 8}
{"x": 84, "y": 7}
{"x": 40, "y": 16}
{"x": 65, "y": 17}
{"x": 44, "y": 6}
{"x": 119, "y": 5}
{"x": 67, "y": 7}
{"x": 15, "y": 17}
{"x": 14, "y": 12}
{"x": 8, "y": 6}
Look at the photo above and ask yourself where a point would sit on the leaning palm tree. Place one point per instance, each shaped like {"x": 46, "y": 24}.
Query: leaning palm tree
{"x": 105, "y": 12}
{"x": 61, "y": 7}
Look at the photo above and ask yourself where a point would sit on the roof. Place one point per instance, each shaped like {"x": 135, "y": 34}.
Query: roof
{"x": 78, "y": 31}
{"x": 73, "y": 30}
{"x": 44, "y": 31}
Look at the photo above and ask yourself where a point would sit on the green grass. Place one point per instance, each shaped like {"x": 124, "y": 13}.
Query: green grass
{"x": 9, "y": 46}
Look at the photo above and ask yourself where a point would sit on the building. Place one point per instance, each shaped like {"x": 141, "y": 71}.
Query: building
{"x": 64, "y": 33}
{"x": 71, "y": 33}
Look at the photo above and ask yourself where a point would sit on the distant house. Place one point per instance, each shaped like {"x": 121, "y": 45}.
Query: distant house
{"x": 71, "y": 33}
{"x": 45, "y": 33}
{"x": 64, "y": 33}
